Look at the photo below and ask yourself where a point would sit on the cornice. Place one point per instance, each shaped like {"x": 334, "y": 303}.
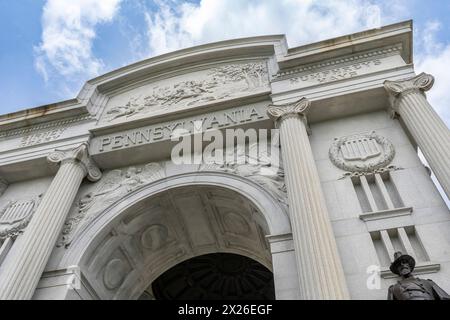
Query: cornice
{"x": 338, "y": 62}
{"x": 353, "y": 43}
{"x": 45, "y": 125}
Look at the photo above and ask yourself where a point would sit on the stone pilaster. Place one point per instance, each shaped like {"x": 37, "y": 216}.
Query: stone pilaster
{"x": 20, "y": 273}
{"x": 321, "y": 275}
{"x": 431, "y": 134}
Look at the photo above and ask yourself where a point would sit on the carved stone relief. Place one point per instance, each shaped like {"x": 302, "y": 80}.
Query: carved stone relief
{"x": 362, "y": 152}
{"x": 112, "y": 187}
{"x": 259, "y": 170}
{"x": 217, "y": 84}
{"x": 116, "y": 184}
{"x": 15, "y": 216}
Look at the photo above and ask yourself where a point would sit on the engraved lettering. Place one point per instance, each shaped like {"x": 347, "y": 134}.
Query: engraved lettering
{"x": 143, "y": 137}
{"x": 117, "y": 142}
{"x": 158, "y": 133}
{"x": 105, "y": 142}
{"x": 41, "y": 137}
{"x": 130, "y": 138}
{"x": 335, "y": 74}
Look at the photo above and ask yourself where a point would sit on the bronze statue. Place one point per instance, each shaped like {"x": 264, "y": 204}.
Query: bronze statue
{"x": 409, "y": 287}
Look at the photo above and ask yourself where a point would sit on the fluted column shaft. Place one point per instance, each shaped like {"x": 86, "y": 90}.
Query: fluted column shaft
{"x": 431, "y": 134}
{"x": 21, "y": 272}
{"x": 321, "y": 275}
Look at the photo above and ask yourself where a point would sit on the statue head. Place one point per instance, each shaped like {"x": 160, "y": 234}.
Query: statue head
{"x": 403, "y": 264}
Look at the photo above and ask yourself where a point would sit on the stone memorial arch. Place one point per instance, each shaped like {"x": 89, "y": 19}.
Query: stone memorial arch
{"x": 96, "y": 204}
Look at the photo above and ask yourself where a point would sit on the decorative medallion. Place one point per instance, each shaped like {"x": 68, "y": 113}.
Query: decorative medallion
{"x": 362, "y": 152}
{"x": 115, "y": 272}
{"x": 155, "y": 237}
{"x": 15, "y": 217}
{"x": 235, "y": 223}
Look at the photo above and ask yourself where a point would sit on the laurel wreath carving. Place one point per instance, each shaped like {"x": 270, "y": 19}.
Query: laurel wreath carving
{"x": 387, "y": 156}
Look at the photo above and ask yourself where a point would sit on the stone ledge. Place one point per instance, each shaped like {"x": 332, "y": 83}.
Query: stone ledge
{"x": 421, "y": 268}
{"x": 386, "y": 214}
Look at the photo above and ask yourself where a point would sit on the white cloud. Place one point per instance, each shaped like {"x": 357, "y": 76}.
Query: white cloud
{"x": 182, "y": 24}
{"x": 68, "y": 31}
{"x": 433, "y": 58}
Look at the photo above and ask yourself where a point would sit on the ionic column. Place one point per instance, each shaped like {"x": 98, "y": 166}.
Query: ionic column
{"x": 408, "y": 100}
{"x": 20, "y": 273}
{"x": 321, "y": 275}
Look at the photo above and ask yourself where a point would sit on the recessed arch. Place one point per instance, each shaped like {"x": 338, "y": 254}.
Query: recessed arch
{"x": 272, "y": 218}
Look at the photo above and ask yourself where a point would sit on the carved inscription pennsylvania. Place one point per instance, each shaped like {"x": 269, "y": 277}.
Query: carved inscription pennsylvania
{"x": 163, "y": 131}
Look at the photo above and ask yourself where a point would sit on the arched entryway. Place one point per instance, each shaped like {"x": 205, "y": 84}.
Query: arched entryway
{"x": 215, "y": 276}
{"x": 134, "y": 243}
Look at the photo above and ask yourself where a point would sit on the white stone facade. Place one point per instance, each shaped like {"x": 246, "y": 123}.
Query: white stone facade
{"x": 90, "y": 196}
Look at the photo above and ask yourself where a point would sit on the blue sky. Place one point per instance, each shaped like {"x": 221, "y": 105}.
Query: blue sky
{"x": 49, "y": 48}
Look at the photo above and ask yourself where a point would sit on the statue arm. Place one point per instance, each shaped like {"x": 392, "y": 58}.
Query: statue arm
{"x": 439, "y": 292}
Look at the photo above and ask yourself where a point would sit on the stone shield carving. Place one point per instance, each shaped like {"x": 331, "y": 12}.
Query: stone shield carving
{"x": 15, "y": 217}
{"x": 361, "y": 152}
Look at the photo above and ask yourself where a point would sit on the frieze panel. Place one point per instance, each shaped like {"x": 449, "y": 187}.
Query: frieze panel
{"x": 50, "y": 126}
{"x": 356, "y": 61}
{"x": 42, "y": 137}
{"x": 217, "y": 84}
{"x": 338, "y": 70}
{"x": 335, "y": 74}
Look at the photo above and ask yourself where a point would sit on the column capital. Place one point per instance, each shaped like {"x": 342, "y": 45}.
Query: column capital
{"x": 420, "y": 83}
{"x": 78, "y": 155}
{"x": 299, "y": 108}
{"x": 398, "y": 89}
